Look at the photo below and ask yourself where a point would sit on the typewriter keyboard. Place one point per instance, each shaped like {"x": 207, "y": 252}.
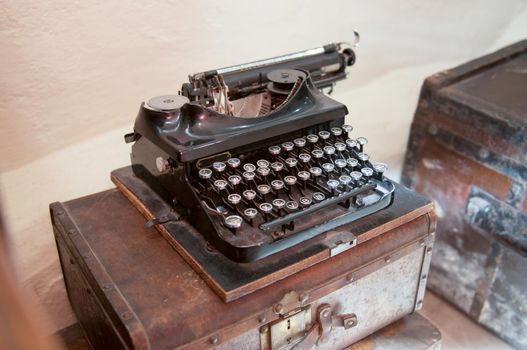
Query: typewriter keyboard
{"x": 291, "y": 183}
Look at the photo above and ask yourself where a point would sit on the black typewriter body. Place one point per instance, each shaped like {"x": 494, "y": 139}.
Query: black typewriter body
{"x": 256, "y": 157}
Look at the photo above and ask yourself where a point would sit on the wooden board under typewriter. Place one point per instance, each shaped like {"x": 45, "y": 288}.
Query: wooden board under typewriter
{"x": 129, "y": 289}
{"x": 468, "y": 152}
{"x": 232, "y": 280}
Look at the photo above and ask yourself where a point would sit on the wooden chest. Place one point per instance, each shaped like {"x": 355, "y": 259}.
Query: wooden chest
{"x": 468, "y": 152}
{"x": 130, "y": 289}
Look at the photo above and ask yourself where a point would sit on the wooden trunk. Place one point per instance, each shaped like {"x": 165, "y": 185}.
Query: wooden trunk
{"x": 468, "y": 152}
{"x": 130, "y": 289}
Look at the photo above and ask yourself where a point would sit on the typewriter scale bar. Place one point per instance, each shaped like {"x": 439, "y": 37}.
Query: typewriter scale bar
{"x": 294, "y": 191}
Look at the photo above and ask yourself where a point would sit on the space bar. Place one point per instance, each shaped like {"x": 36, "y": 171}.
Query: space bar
{"x": 277, "y": 223}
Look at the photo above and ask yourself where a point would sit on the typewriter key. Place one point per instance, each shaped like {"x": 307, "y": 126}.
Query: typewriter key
{"x": 263, "y": 171}
{"x": 249, "y": 167}
{"x": 250, "y": 213}
{"x": 233, "y": 163}
{"x": 291, "y": 162}
{"x": 274, "y": 150}
{"x": 233, "y": 221}
{"x": 303, "y": 175}
{"x": 288, "y": 146}
{"x": 333, "y": 184}
{"x": 220, "y": 185}
{"x": 380, "y": 168}
{"x": 328, "y": 167}
{"x": 263, "y": 189}
{"x": 277, "y": 184}
{"x": 299, "y": 142}
{"x": 262, "y": 163}
{"x": 305, "y": 202}
{"x": 315, "y": 171}
{"x": 324, "y": 135}
{"x": 347, "y": 128}
{"x": 352, "y": 144}
{"x": 234, "y": 198}
{"x": 356, "y": 176}
{"x": 277, "y": 166}
{"x": 339, "y": 146}
{"x": 362, "y": 141}
{"x": 218, "y": 166}
{"x": 341, "y": 163}
{"x": 329, "y": 150}
{"x": 366, "y": 171}
{"x": 205, "y": 173}
{"x": 318, "y": 197}
{"x": 336, "y": 131}
{"x": 345, "y": 180}
{"x": 248, "y": 175}
{"x": 317, "y": 154}
{"x": 352, "y": 162}
{"x": 363, "y": 157}
{"x": 312, "y": 138}
{"x": 278, "y": 203}
{"x": 266, "y": 207}
{"x": 249, "y": 195}
{"x": 235, "y": 179}
{"x": 304, "y": 157}
{"x": 291, "y": 205}
{"x": 290, "y": 180}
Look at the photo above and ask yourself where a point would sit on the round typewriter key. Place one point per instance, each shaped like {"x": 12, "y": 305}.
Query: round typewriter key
{"x": 304, "y": 157}
{"x": 288, "y": 146}
{"x": 220, "y": 184}
{"x": 278, "y": 203}
{"x": 299, "y": 142}
{"x": 336, "y": 131}
{"x": 317, "y": 154}
{"x": 290, "y": 180}
{"x": 333, "y": 184}
{"x": 291, "y": 162}
{"x": 274, "y": 150}
{"x": 347, "y": 128}
{"x": 233, "y": 221}
{"x": 277, "y": 184}
{"x": 318, "y": 196}
{"x": 305, "y": 202}
{"x": 324, "y": 135}
{"x": 352, "y": 162}
{"x": 264, "y": 171}
{"x": 218, "y": 166}
{"x": 366, "y": 171}
{"x": 263, "y": 189}
{"x": 341, "y": 163}
{"x": 249, "y": 167}
{"x": 234, "y": 198}
{"x": 291, "y": 205}
{"x": 266, "y": 207}
{"x": 312, "y": 138}
{"x": 339, "y": 146}
{"x": 235, "y": 179}
{"x": 356, "y": 175}
{"x": 262, "y": 163}
{"x": 233, "y": 162}
{"x": 362, "y": 141}
{"x": 380, "y": 168}
{"x": 351, "y": 143}
{"x": 315, "y": 171}
{"x": 250, "y": 212}
{"x": 277, "y": 166}
{"x": 205, "y": 173}
{"x": 345, "y": 180}
{"x": 303, "y": 175}
{"x": 249, "y": 194}
{"x": 329, "y": 150}
{"x": 328, "y": 167}
{"x": 248, "y": 175}
{"x": 363, "y": 157}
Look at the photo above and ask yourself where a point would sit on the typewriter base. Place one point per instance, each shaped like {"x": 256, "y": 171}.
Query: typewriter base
{"x": 231, "y": 280}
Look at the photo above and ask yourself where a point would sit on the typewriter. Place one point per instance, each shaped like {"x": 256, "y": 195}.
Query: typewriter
{"x": 257, "y": 156}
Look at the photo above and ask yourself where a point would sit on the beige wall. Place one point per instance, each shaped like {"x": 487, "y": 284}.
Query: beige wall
{"x": 73, "y": 74}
